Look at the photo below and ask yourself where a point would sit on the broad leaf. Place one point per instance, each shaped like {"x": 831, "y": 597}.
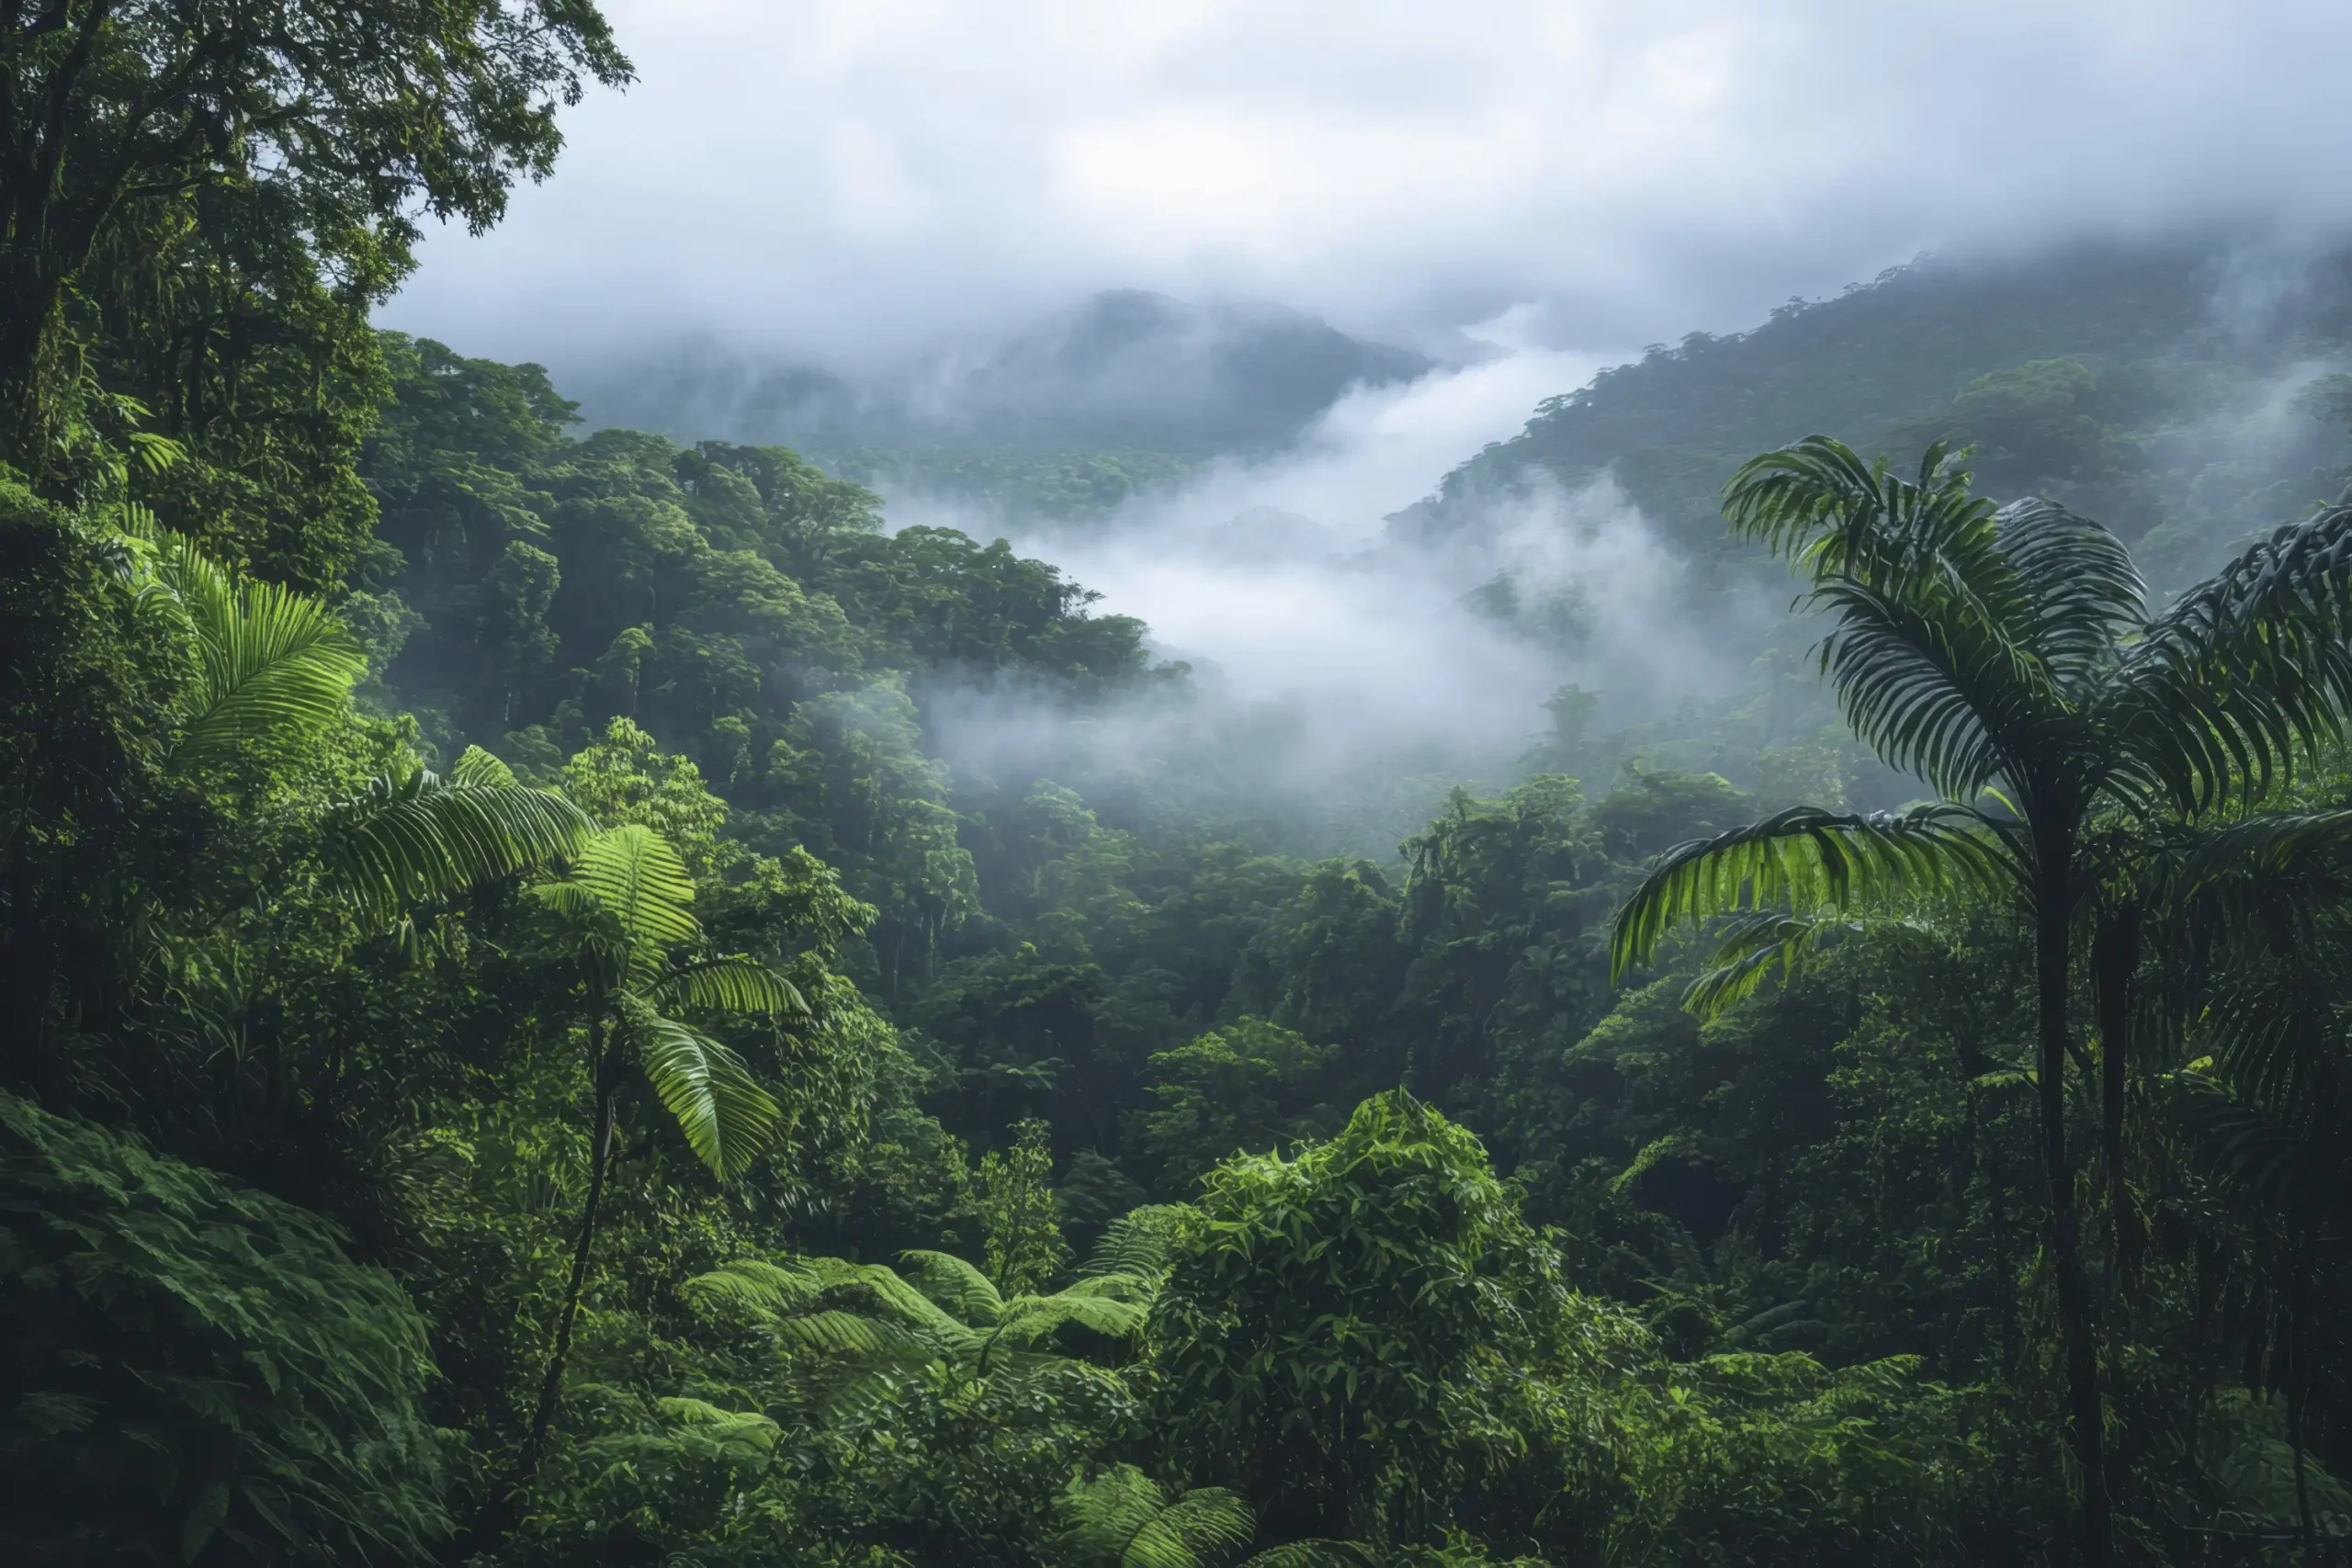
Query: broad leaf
{"x": 729, "y": 1121}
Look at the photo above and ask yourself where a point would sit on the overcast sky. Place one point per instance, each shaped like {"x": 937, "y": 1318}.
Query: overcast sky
{"x": 855, "y": 179}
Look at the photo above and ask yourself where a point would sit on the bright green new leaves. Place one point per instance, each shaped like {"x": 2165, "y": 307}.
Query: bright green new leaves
{"x": 1123, "y": 1517}
{"x": 273, "y": 664}
{"x": 727, "y": 984}
{"x": 728, "y": 1118}
{"x": 410, "y": 838}
{"x": 1337, "y": 1331}
{"x": 629, "y": 901}
{"x": 272, "y": 667}
{"x": 639, "y": 883}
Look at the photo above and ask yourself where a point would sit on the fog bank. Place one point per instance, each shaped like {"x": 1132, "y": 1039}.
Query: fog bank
{"x": 1333, "y": 655}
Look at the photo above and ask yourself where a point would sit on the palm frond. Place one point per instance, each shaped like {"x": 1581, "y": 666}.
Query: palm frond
{"x": 729, "y": 1121}
{"x": 2245, "y": 673}
{"x": 2256, "y": 889}
{"x": 2083, "y": 591}
{"x": 1753, "y": 947}
{"x": 2272, "y": 1025}
{"x": 1838, "y": 519}
{"x": 728, "y": 984}
{"x": 1807, "y": 862}
{"x": 643, "y": 885}
{"x": 408, "y": 839}
{"x": 577, "y": 906}
{"x": 480, "y": 770}
{"x": 2254, "y": 1151}
{"x": 271, "y": 664}
{"x": 1952, "y": 698}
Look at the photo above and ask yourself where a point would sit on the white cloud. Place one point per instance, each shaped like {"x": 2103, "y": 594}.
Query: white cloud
{"x": 856, "y": 176}
{"x": 1279, "y": 580}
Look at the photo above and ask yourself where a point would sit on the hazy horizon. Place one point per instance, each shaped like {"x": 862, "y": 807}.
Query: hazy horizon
{"x": 858, "y": 185}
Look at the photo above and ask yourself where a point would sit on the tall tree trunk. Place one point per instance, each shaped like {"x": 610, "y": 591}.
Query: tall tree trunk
{"x": 551, "y": 1385}
{"x": 2076, "y": 1319}
{"x": 29, "y": 296}
{"x": 2298, "y": 1399}
{"x": 2115, "y": 954}
{"x": 498, "y": 1514}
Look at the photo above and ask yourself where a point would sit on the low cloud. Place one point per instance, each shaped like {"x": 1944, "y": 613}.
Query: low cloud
{"x": 859, "y": 180}
{"x": 1335, "y": 656}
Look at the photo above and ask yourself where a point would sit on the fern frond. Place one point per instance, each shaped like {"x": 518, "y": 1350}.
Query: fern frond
{"x": 770, "y": 1289}
{"x": 1313, "y": 1554}
{"x": 843, "y": 1332}
{"x": 890, "y": 1295}
{"x": 956, "y": 1284}
{"x": 746, "y": 1429}
{"x": 1028, "y": 1318}
{"x": 1137, "y": 1242}
{"x": 1122, "y": 1517}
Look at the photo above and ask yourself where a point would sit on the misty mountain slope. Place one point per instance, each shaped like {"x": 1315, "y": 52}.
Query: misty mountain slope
{"x": 2176, "y": 394}
{"x": 1133, "y": 374}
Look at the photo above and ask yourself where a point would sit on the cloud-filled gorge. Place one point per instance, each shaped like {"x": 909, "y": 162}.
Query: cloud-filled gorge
{"x": 1335, "y": 648}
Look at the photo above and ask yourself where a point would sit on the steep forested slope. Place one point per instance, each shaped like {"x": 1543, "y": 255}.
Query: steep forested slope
{"x": 2154, "y": 387}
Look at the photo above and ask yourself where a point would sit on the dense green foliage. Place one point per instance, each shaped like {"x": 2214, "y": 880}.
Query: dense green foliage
{"x": 2156, "y": 387}
{"x": 520, "y": 1047}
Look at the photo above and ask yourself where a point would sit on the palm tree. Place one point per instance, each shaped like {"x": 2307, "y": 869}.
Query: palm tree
{"x": 2251, "y": 926}
{"x": 626, "y": 907}
{"x": 2007, "y": 659}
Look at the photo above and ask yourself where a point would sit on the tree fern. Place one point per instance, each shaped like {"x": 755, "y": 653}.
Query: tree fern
{"x": 1121, "y": 1519}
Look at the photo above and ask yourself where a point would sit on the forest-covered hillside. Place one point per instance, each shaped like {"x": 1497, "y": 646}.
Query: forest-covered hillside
{"x": 2186, "y": 393}
{"x": 520, "y": 1045}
